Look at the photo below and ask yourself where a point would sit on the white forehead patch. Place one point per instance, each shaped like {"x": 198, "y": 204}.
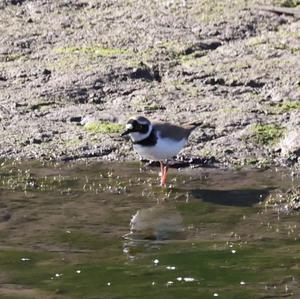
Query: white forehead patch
{"x": 129, "y": 126}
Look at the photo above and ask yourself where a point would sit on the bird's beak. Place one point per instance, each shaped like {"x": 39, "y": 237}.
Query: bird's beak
{"x": 125, "y": 133}
{"x": 129, "y": 129}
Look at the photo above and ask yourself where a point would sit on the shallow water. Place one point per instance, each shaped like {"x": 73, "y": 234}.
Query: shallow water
{"x": 107, "y": 230}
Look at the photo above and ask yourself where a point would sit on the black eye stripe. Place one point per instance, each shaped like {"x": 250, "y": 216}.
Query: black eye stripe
{"x": 144, "y": 128}
{"x": 138, "y": 127}
{"x": 133, "y": 122}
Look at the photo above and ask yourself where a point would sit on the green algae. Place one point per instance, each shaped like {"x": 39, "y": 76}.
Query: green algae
{"x": 267, "y": 134}
{"x": 289, "y": 3}
{"x": 286, "y": 106}
{"x": 95, "y": 50}
{"x": 13, "y": 57}
{"x": 103, "y": 127}
{"x": 78, "y": 245}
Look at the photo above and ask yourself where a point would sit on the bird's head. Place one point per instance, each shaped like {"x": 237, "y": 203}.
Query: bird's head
{"x": 138, "y": 128}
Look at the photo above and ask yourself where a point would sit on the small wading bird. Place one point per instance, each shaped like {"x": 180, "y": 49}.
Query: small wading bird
{"x": 158, "y": 141}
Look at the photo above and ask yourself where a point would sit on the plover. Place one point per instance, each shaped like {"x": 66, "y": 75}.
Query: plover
{"x": 158, "y": 141}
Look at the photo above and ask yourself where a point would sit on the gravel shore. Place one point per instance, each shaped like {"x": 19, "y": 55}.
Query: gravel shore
{"x": 72, "y": 72}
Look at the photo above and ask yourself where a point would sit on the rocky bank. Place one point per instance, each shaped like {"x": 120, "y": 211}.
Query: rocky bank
{"x": 72, "y": 72}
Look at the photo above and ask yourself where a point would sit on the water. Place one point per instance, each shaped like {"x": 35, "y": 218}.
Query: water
{"x": 107, "y": 230}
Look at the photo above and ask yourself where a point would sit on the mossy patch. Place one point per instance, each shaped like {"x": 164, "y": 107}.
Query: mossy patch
{"x": 289, "y": 3}
{"x": 81, "y": 57}
{"x": 257, "y": 40}
{"x": 196, "y": 61}
{"x": 103, "y": 127}
{"x": 11, "y": 57}
{"x": 95, "y": 50}
{"x": 213, "y": 10}
{"x": 267, "y": 134}
{"x": 73, "y": 142}
{"x": 287, "y": 106}
{"x": 196, "y": 54}
{"x": 258, "y": 162}
{"x": 250, "y": 161}
{"x": 146, "y": 104}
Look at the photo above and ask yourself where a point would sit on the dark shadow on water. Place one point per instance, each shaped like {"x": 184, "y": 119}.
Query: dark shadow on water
{"x": 241, "y": 198}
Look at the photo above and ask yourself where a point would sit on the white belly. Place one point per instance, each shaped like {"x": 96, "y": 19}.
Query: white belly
{"x": 164, "y": 149}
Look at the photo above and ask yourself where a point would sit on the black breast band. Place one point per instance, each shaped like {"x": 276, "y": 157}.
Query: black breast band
{"x": 148, "y": 141}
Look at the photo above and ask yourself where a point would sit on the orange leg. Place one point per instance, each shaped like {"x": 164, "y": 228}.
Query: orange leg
{"x": 164, "y": 176}
{"x": 161, "y": 168}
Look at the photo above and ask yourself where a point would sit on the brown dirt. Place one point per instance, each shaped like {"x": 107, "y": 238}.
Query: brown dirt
{"x": 64, "y": 64}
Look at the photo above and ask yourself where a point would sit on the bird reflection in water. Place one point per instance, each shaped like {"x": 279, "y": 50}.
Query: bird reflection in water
{"x": 157, "y": 224}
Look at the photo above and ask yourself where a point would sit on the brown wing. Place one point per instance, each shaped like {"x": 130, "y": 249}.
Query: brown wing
{"x": 173, "y": 131}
